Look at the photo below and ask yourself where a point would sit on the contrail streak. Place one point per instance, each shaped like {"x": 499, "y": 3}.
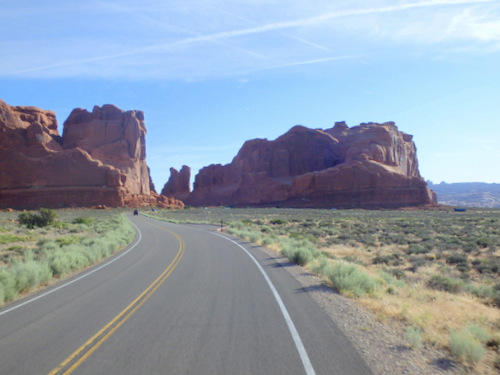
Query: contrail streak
{"x": 215, "y": 37}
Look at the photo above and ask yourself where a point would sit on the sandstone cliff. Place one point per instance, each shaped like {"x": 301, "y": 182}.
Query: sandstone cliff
{"x": 370, "y": 165}
{"x": 178, "y": 183}
{"x": 99, "y": 160}
{"x": 115, "y": 138}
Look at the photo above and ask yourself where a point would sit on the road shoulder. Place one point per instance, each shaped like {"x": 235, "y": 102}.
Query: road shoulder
{"x": 384, "y": 349}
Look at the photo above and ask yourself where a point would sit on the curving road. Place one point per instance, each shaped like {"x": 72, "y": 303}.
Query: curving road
{"x": 182, "y": 299}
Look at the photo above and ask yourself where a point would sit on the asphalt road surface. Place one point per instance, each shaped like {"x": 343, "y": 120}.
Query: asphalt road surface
{"x": 182, "y": 299}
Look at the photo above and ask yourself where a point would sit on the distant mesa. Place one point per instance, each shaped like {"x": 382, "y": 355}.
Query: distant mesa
{"x": 100, "y": 160}
{"x": 371, "y": 165}
{"x": 468, "y": 194}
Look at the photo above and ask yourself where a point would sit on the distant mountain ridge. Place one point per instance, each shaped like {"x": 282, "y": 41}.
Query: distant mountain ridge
{"x": 467, "y": 194}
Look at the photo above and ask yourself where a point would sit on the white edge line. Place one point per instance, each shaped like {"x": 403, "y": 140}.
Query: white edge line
{"x": 78, "y": 278}
{"x": 291, "y": 326}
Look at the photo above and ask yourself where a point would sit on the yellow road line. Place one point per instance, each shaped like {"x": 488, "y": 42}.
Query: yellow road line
{"x": 91, "y": 345}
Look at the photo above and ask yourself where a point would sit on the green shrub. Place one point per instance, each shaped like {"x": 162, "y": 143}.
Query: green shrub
{"x": 235, "y": 225}
{"x": 47, "y": 216}
{"x": 22, "y": 276}
{"x": 486, "y": 266}
{"x": 61, "y": 225}
{"x": 244, "y": 234}
{"x": 417, "y": 249}
{"x": 278, "y": 221}
{"x": 391, "y": 259}
{"x": 478, "y": 332}
{"x": 417, "y": 261}
{"x": 347, "y": 279}
{"x": 414, "y": 337}
{"x": 496, "y": 298}
{"x": 30, "y": 274}
{"x": 483, "y": 242}
{"x": 46, "y": 247}
{"x": 67, "y": 240}
{"x": 482, "y": 291}
{"x": 464, "y": 346}
{"x": 457, "y": 259}
{"x": 446, "y": 284}
{"x": 29, "y": 219}
{"x": 59, "y": 263}
{"x": 318, "y": 265}
{"x": 8, "y": 238}
{"x": 266, "y": 241}
{"x": 391, "y": 279}
{"x": 398, "y": 273}
{"x": 83, "y": 220}
{"x": 298, "y": 255}
{"x": 266, "y": 229}
{"x": 469, "y": 247}
{"x": 382, "y": 259}
{"x": 367, "y": 240}
{"x": 254, "y": 237}
{"x": 44, "y": 218}
{"x": 299, "y": 252}
{"x": 8, "y": 284}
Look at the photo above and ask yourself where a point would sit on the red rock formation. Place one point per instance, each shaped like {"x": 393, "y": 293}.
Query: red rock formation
{"x": 370, "y": 165}
{"x": 178, "y": 183}
{"x": 114, "y": 137}
{"x": 154, "y": 200}
{"x": 100, "y": 160}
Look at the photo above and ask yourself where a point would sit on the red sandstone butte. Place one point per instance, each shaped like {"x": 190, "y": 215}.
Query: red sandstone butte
{"x": 178, "y": 183}
{"x": 367, "y": 166}
{"x": 99, "y": 161}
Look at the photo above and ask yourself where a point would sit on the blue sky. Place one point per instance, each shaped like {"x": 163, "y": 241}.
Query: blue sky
{"x": 211, "y": 74}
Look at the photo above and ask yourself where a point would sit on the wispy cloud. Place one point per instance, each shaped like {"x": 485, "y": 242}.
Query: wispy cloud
{"x": 310, "y": 62}
{"x": 481, "y": 27}
{"x": 277, "y": 26}
{"x": 258, "y": 46}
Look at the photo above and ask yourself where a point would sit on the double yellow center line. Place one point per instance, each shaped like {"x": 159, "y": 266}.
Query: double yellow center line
{"x": 83, "y": 352}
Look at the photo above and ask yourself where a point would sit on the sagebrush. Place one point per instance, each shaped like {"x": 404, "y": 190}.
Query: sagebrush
{"x": 57, "y": 250}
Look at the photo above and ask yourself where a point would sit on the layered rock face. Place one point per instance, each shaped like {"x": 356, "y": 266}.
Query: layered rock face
{"x": 178, "y": 184}
{"x": 115, "y": 138}
{"x": 368, "y": 166}
{"x": 99, "y": 160}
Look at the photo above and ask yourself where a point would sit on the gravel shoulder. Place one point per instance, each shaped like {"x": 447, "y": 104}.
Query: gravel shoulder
{"x": 383, "y": 347}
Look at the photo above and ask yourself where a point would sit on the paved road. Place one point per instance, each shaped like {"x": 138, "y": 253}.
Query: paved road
{"x": 181, "y": 300}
